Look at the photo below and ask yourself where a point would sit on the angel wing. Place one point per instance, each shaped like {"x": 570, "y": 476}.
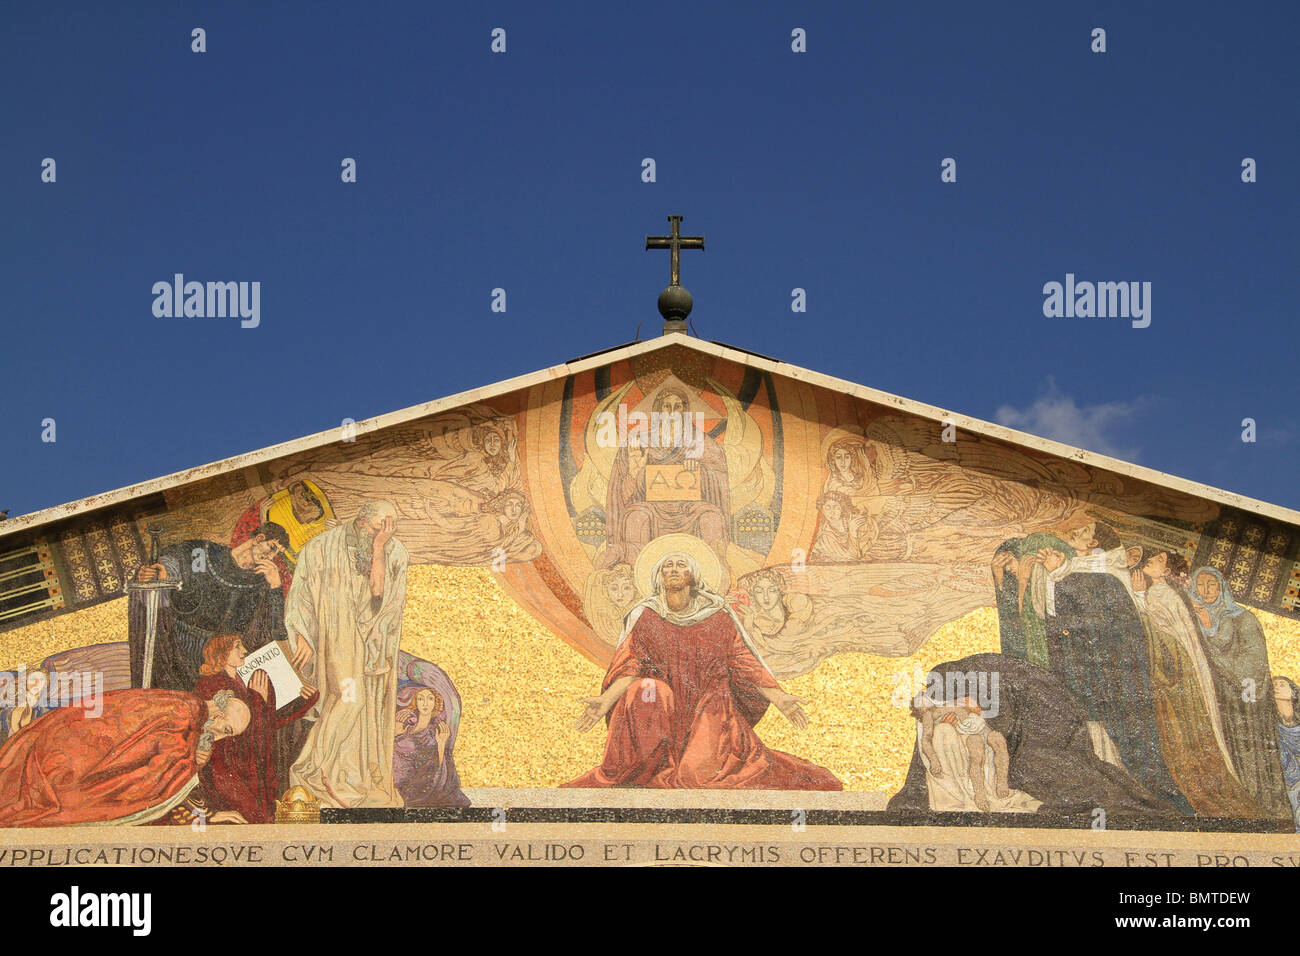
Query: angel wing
{"x": 1075, "y": 484}
{"x": 451, "y": 434}
{"x": 749, "y": 476}
{"x": 912, "y": 435}
{"x": 590, "y": 485}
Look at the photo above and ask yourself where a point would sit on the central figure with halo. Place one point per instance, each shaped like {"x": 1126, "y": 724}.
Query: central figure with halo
{"x": 686, "y": 687}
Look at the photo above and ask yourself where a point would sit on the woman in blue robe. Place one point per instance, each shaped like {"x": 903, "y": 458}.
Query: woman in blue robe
{"x": 1287, "y": 695}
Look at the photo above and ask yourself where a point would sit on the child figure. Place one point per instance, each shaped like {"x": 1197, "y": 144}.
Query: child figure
{"x": 979, "y": 738}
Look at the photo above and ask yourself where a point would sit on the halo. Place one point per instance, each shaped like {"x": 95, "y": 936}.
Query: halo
{"x": 705, "y": 557}
{"x": 694, "y": 401}
{"x": 839, "y": 434}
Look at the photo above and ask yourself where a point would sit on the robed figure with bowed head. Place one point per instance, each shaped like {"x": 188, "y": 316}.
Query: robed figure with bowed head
{"x": 345, "y": 614}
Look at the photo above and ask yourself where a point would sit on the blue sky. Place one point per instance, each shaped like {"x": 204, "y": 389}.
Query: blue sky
{"x": 522, "y": 170}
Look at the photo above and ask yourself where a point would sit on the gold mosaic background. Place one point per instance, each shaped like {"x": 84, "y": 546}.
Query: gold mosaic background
{"x": 520, "y": 684}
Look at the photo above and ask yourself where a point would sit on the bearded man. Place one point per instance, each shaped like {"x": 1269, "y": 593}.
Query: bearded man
{"x": 683, "y": 693}
{"x": 345, "y": 617}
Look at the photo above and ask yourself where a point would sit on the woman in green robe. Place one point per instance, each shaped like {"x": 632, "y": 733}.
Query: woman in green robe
{"x": 1238, "y": 656}
{"x": 1020, "y": 621}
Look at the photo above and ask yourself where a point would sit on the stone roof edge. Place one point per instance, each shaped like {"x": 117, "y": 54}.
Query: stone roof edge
{"x": 153, "y": 486}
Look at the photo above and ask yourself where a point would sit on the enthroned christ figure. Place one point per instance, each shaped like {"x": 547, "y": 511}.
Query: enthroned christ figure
{"x": 636, "y": 512}
{"x": 683, "y": 693}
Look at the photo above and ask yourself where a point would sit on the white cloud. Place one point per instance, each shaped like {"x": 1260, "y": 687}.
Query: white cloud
{"x": 1058, "y": 417}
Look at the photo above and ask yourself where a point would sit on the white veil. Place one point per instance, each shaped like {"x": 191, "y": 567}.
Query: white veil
{"x": 704, "y": 603}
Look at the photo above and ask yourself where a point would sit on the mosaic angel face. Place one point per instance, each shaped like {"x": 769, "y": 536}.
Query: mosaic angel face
{"x": 766, "y": 592}
{"x": 842, "y": 460}
{"x": 833, "y": 511}
{"x": 1285, "y": 700}
{"x": 620, "y": 589}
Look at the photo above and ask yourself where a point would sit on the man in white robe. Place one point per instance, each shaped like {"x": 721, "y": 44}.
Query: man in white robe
{"x": 344, "y": 618}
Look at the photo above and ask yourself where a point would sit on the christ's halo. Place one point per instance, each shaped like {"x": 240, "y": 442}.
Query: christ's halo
{"x": 705, "y": 557}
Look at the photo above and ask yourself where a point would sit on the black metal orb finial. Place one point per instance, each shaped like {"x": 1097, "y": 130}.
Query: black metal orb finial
{"x": 675, "y": 302}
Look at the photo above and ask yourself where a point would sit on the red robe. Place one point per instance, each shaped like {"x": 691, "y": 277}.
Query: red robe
{"x": 242, "y": 772}
{"x": 688, "y": 718}
{"x": 131, "y": 764}
{"x": 627, "y": 500}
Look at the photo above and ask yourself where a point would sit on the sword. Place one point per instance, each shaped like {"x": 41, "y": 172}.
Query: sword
{"x": 152, "y": 592}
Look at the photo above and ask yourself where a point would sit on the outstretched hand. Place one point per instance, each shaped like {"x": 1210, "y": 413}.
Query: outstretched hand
{"x": 594, "y": 708}
{"x": 789, "y": 706}
{"x": 638, "y": 456}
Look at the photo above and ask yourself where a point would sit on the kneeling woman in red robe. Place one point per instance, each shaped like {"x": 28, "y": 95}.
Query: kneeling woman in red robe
{"x": 126, "y": 762}
{"x": 241, "y": 781}
{"x": 682, "y": 696}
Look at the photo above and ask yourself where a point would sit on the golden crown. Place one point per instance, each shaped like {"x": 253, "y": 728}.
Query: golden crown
{"x": 298, "y": 805}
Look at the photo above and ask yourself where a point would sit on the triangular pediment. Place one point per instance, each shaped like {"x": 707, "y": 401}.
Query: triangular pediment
{"x": 658, "y": 356}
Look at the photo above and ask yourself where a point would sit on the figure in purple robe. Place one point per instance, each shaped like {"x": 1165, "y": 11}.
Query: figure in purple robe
{"x": 428, "y": 717}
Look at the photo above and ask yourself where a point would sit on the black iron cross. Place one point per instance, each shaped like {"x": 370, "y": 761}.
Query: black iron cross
{"x": 676, "y": 243}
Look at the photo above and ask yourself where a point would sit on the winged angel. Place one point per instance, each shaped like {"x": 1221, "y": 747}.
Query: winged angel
{"x": 454, "y": 479}
{"x": 907, "y": 527}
